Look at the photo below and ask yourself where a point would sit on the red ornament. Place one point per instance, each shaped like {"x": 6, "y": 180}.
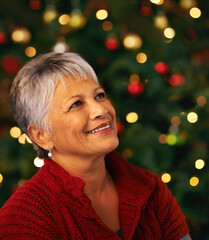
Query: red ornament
{"x": 120, "y": 127}
{"x": 112, "y": 43}
{"x": 3, "y": 37}
{"x": 161, "y": 68}
{"x": 145, "y": 11}
{"x": 135, "y": 89}
{"x": 176, "y": 79}
{"x": 34, "y": 4}
{"x": 10, "y": 64}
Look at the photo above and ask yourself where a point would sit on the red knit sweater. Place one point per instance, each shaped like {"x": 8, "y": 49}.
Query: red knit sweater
{"x": 52, "y": 205}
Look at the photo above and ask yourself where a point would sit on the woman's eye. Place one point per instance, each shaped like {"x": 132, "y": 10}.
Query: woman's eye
{"x": 100, "y": 95}
{"x": 76, "y": 104}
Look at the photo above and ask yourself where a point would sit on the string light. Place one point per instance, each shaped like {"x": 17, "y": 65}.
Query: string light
{"x": 187, "y": 4}
{"x": 141, "y": 57}
{"x": 50, "y": 14}
{"x": 107, "y": 25}
{"x": 134, "y": 78}
{"x": 171, "y": 139}
{"x": 166, "y": 177}
{"x": 162, "y": 138}
{"x": 161, "y": 21}
{"x": 199, "y": 163}
{"x": 192, "y": 117}
{"x": 195, "y": 12}
{"x": 38, "y": 162}
{"x": 101, "y": 14}
{"x": 1, "y": 178}
{"x": 64, "y": 19}
{"x": 132, "y": 41}
{"x": 157, "y": 2}
{"x": 30, "y": 51}
{"x": 77, "y": 20}
{"x": 22, "y": 138}
{"x": 131, "y": 117}
{"x": 169, "y": 33}
{"x": 194, "y": 181}
{"x": 21, "y": 35}
{"x": 28, "y": 140}
{"x": 175, "y": 121}
{"x": 201, "y": 100}
{"x": 15, "y": 132}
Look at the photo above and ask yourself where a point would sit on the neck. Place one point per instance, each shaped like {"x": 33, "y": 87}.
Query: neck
{"x": 92, "y": 171}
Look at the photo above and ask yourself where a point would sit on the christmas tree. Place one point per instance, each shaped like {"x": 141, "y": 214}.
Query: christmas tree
{"x": 152, "y": 58}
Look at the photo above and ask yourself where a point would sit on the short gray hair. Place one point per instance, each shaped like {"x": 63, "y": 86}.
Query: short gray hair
{"x": 33, "y": 88}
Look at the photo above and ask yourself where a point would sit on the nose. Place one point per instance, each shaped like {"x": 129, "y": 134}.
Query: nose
{"x": 97, "y": 110}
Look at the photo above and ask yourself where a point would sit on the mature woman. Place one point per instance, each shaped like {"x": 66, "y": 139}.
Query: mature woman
{"x": 85, "y": 190}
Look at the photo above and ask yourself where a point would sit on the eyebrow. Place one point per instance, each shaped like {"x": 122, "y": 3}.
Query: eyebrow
{"x": 79, "y": 96}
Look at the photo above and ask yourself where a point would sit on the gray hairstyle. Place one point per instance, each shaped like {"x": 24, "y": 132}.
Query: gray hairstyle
{"x": 32, "y": 91}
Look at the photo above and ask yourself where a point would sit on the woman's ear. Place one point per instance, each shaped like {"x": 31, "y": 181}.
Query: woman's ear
{"x": 39, "y": 136}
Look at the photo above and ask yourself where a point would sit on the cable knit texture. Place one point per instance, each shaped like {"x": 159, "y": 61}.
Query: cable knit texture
{"x": 52, "y": 205}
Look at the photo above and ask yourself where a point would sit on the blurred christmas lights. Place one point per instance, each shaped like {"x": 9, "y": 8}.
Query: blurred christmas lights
{"x": 162, "y": 138}
{"x": 175, "y": 120}
{"x": 112, "y": 43}
{"x": 195, "y": 12}
{"x": 132, "y": 41}
{"x": 15, "y": 132}
{"x": 169, "y": 33}
{"x": 30, "y": 51}
{"x": 127, "y": 153}
{"x": 141, "y": 57}
{"x": 107, "y": 25}
{"x": 171, "y": 139}
{"x": 135, "y": 89}
{"x": 199, "y": 164}
{"x": 64, "y": 19}
{"x": 50, "y": 14}
{"x": 187, "y": 4}
{"x": 38, "y": 162}
{"x": 201, "y": 100}
{"x": 161, "y": 68}
{"x": 1, "y": 178}
{"x": 194, "y": 181}
{"x": 161, "y": 21}
{"x": 192, "y": 117}
{"x": 21, "y": 35}
{"x": 166, "y": 177}
{"x": 158, "y": 2}
{"x": 22, "y": 138}
{"x": 131, "y": 117}
{"x": 101, "y": 14}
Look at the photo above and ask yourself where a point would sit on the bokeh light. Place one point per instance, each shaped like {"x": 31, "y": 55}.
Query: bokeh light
{"x": 15, "y": 132}
{"x": 50, "y": 14}
{"x": 1, "y": 178}
{"x": 141, "y": 57}
{"x": 195, "y": 12}
{"x": 22, "y": 138}
{"x": 107, "y": 25}
{"x": 175, "y": 120}
{"x": 194, "y": 181}
{"x": 131, "y": 117}
{"x": 127, "y": 153}
{"x": 101, "y": 14}
{"x": 38, "y": 162}
{"x": 171, "y": 139}
{"x": 132, "y": 41}
{"x": 21, "y": 35}
{"x": 199, "y": 163}
{"x": 161, "y": 21}
{"x": 162, "y": 138}
{"x": 158, "y": 2}
{"x": 134, "y": 78}
{"x": 201, "y": 100}
{"x": 64, "y": 19}
{"x": 169, "y": 33}
{"x": 30, "y": 51}
{"x": 166, "y": 177}
{"x": 192, "y": 117}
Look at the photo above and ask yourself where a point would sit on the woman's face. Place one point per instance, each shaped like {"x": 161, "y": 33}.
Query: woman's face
{"x": 83, "y": 121}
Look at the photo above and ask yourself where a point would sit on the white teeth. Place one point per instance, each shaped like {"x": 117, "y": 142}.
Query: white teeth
{"x": 99, "y": 129}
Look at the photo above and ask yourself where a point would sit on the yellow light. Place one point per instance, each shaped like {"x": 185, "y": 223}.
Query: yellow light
{"x": 1, "y": 178}
{"x": 141, "y": 57}
{"x": 194, "y": 181}
{"x": 131, "y": 117}
{"x": 30, "y": 51}
{"x": 195, "y": 12}
{"x": 171, "y": 139}
{"x": 38, "y": 162}
{"x": 166, "y": 177}
{"x": 169, "y": 33}
{"x": 107, "y": 25}
{"x": 187, "y": 4}
{"x": 161, "y": 21}
{"x": 15, "y": 132}
{"x": 132, "y": 41}
{"x": 158, "y": 2}
{"x": 50, "y": 14}
{"x": 101, "y": 14}
{"x": 64, "y": 19}
{"x": 77, "y": 20}
{"x": 61, "y": 47}
{"x": 175, "y": 121}
{"x": 162, "y": 138}
{"x": 22, "y": 138}
{"x": 21, "y": 35}
{"x": 192, "y": 117}
{"x": 134, "y": 78}
{"x": 127, "y": 153}
{"x": 201, "y": 100}
{"x": 199, "y": 163}
{"x": 28, "y": 139}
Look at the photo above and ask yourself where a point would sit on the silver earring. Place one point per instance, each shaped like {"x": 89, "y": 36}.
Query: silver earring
{"x": 50, "y": 152}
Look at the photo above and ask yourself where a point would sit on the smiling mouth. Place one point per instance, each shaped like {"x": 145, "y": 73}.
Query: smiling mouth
{"x": 99, "y": 129}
